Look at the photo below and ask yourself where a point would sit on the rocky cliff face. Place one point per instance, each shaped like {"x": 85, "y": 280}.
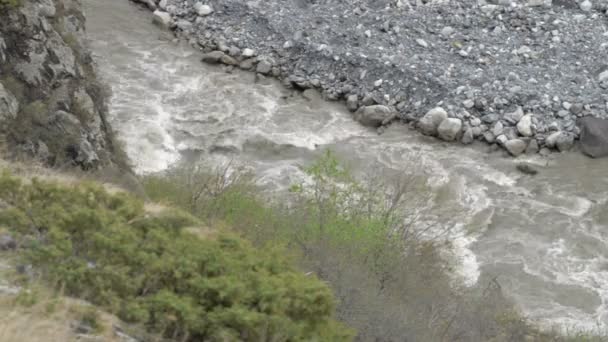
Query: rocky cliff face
{"x": 52, "y": 105}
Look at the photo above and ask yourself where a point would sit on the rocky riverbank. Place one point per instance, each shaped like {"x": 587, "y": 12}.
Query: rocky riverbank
{"x": 518, "y": 74}
{"x": 52, "y": 106}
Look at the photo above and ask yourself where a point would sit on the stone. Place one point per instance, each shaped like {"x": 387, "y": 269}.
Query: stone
{"x": 7, "y": 242}
{"x": 468, "y": 137}
{"x": 203, "y": 10}
{"x": 514, "y": 117}
{"x": 561, "y": 141}
{"x": 490, "y": 118}
{"x": 449, "y": 129}
{"x": 9, "y": 106}
{"x": 524, "y": 126}
{"x": 150, "y": 4}
{"x": 498, "y": 129}
{"x": 515, "y": 147}
{"x": 468, "y": 104}
{"x": 533, "y": 147}
{"x": 594, "y": 136}
{"x": 264, "y": 67}
{"x": 213, "y": 57}
{"x": 431, "y": 120}
{"x": 248, "y": 53}
{"x": 603, "y": 77}
{"x": 352, "y": 102}
{"x": 502, "y": 140}
{"x": 246, "y": 64}
{"x": 422, "y": 43}
{"x": 527, "y": 169}
{"x": 374, "y": 116}
{"x": 162, "y": 19}
{"x": 586, "y": 6}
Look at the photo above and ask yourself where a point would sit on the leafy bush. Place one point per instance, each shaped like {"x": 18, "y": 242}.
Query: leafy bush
{"x": 148, "y": 268}
{"x": 9, "y": 3}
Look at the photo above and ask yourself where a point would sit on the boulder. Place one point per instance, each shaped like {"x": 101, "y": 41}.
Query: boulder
{"x": 9, "y": 106}
{"x": 203, "y": 10}
{"x": 594, "y": 136}
{"x": 429, "y": 123}
{"x": 449, "y": 129}
{"x": 215, "y": 57}
{"x": 162, "y": 19}
{"x": 561, "y": 141}
{"x": 149, "y": 3}
{"x": 527, "y": 169}
{"x": 374, "y": 116}
{"x": 264, "y": 67}
{"x": 352, "y": 102}
{"x": 524, "y": 126}
{"x": 515, "y": 147}
{"x": 7, "y": 242}
{"x": 468, "y": 137}
{"x": 514, "y": 116}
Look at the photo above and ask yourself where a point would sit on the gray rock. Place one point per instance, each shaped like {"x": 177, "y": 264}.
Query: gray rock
{"x": 515, "y": 147}
{"x": 468, "y": 137}
{"x": 352, "y": 102}
{"x": 562, "y": 141}
{"x": 214, "y": 57}
{"x": 431, "y": 120}
{"x": 9, "y": 106}
{"x": 524, "y": 127}
{"x": 501, "y": 140}
{"x": 489, "y": 137}
{"x": 162, "y": 19}
{"x": 87, "y": 157}
{"x": 514, "y": 117}
{"x": 149, "y": 3}
{"x": 490, "y": 118}
{"x": 449, "y": 129}
{"x": 7, "y": 242}
{"x": 498, "y": 129}
{"x": 264, "y": 67}
{"x": 374, "y": 116}
{"x": 527, "y": 169}
{"x": 594, "y": 136}
{"x": 533, "y": 147}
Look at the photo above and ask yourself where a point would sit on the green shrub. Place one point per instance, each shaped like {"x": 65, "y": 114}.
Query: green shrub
{"x": 147, "y": 268}
{"x": 9, "y": 3}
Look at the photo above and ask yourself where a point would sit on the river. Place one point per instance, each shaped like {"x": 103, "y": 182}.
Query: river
{"x": 544, "y": 237}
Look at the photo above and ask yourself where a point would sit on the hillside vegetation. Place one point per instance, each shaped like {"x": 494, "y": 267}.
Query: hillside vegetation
{"x": 386, "y": 259}
{"x": 153, "y": 269}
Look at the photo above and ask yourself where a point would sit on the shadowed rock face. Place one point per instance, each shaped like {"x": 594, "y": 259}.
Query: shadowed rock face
{"x": 594, "y": 137}
{"x": 52, "y": 106}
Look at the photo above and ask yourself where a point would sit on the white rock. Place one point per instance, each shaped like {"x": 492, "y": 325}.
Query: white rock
{"x": 162, "y": 19}
{"x": 203, "y": 10}
{"x": 586, "y": 6}
{"x": 515, "y": 147}
{"x": 431, "y": 120}
{"x": 422, "y": 42}
{"x": 603, "y": 76}
{"x": 248, "y": 53}
{"x": 524, "y": 127}
{"x": 449, "y": 129}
